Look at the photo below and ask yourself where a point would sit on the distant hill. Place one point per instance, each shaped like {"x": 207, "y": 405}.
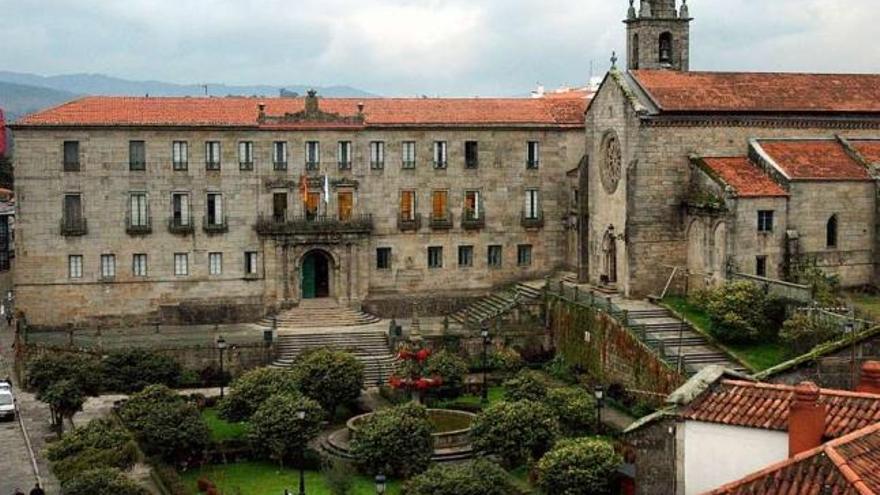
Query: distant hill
{"x": 18, "y": 100}
{"x": 98, "y": 84}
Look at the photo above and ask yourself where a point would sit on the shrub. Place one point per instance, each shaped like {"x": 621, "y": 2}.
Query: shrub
{"x": 132, "y": 370}
{"x": 330, "y": 377}
{"x": 738, "y": 312}
{"x": 204, "y": 484}
{"x": 504, "y": 359}
{"x": 249, "y": 391}
{"x": 395, "y": 441}
{"x": 578, "y": 466}
{"x": 50, "y": 368}
{"x": 339, "y": 477}
{"x": 801, "y": 333}
{"x": 92, "y": 458}
{"x": 101, "y": 443}
{"x": 560, "y": 369}
{"x": 65, "y": 399}
{"x": 102, "y": 481}
{"x": 451, "y": 368}
{"x": 515, "y": 431}
{"x": 479, "y": 477}
{"x": 526, "y": 385}
{"x": 276, "y": 430}
{"x": 166, "y": 425}
{"x": 575, "y": 409}
{"x": 826, "y": 288}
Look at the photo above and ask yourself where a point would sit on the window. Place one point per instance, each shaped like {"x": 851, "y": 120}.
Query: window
{"x": 831, "y": 232}
{"x": 75, "y": 266}
{"x": 137, "y": 155}
{"x": 472, "y": 205}
{"x": 139, "y": 265}
{"x": 343, "y": 155}
{"x": 108, "y": 265}
{"x": 765, "y": 221}
{"x": 212, "y": 155}
{"x": 279, "y": 207}
{"x": 313, "y": 201}
{"x": 439, "y": 154}
{"x": 215, "y": 209}
{"x": 408, "y": 154}
{"x": 471, "y": 154}
{"x": 313, "y": 155}
{"x": 666, "y": 48}
{"x": 465, "y": 256}
{"x": 181, "y": 264}
{"x": 533, "y": 154}
{"x": 246, "y": 155}
{"x": 635, "y": 52}
{"x": 344, "y": 205}
{"x": 761, "y": 266}
{"x": 138, "y": 213}
{"x": 215, "y": 263}
{"x": 377, "y": 155}
{"x": 493, "y": 258}
{"x": 439, "y": 208}
{"x": 180, "y": 214}
{"x": 533, "y": 204}
{"x": 179, "y": 155}
{"x": 279, "y": 155}
{"x": 71, "y": 156}
{"x": 408, "y": 205}
{"x": 383, "y": 258}
{"x": 524, "y": 255}
{"x": 73, "y": 210}
{"x": 435, "y": 257}
{"x": 250, "y": 263}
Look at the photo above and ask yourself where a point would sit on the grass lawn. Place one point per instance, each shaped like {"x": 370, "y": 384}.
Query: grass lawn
{"x": 220, "y": 428}
{"x": 758, "y": 356}
{"x": 257, "y": 478}
{"x": 866, "y": 304}
{"x": 496, "y": 394}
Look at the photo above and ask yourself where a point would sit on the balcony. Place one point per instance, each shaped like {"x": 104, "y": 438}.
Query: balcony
{"x": 535, "y": 221}
{"x": 408, "y": 164}
{"x": 406, "y": 224}
{"x": 313, "y": 165}
{"x": 180, "y": 225}
{"x": 279, "y": 165}
{"x": 142, "y": 227}
{"x": 442, "y": 221}
{"x": 215, "y": 225}
{"x": 74, "y": 227}
{"x": 473, "y": 220}
{"x": 320, "y": 224}
{"x": 344, "y": 165}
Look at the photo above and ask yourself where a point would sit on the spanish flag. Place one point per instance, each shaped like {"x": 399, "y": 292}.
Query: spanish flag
{"x": 304, "y": 188}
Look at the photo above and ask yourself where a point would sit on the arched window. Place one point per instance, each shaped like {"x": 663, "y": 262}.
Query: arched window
{"x": 635, "y": 52}
{"x": 831, "y": 232}
{"x": 666, "y": 48}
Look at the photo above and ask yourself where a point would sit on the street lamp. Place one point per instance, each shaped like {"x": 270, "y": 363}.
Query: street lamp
{"x": 599, "y": 394}
{"x": 221, "y": 346}
{"x": 849, "y": 329}
{"x": 484, "y": 333}
{"x": 380, "y": 484}
{"x": 301, "y": 415}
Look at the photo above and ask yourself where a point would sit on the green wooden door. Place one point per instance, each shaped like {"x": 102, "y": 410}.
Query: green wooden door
{"x": 308, "y": 277}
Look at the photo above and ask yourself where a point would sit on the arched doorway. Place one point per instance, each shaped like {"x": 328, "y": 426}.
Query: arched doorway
{"x": 609, "y": 250}
{"x": 315, "y": 275}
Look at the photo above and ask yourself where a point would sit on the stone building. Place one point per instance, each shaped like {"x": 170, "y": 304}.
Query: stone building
{"x": 136, "y": 210}
{"x": 715, "y": 173}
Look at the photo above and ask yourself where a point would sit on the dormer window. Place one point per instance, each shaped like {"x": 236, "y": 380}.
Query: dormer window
{"x": 666, "y": 48}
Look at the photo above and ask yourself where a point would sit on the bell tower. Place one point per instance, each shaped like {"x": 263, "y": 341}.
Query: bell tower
{"x": 658, "y": 35}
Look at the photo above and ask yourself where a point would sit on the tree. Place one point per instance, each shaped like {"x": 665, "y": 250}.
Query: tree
{"x": 276, "y": 428}
{"x": 330, "y": 377}
{"x": 50, "y": 368}
{"x": 65, "y": 399}
{"x": 133, "y": 370}
{"x": 478, "y": 477}
{"x": 526, "y": 385}
{"x": 738, "y": 312}
{"x": 102, "y": 481}
{"x": 515, "y": 431}
{"x": 101, "y": 443}
{"x": 451, "y": 368}
{"x": 802, "y": 333}
{"x": 251, "y": 389}
{"x": 165, "y": 424}
{"x": 395, "y": 441}
{"x": 574, "y": 408}
{"x": 578, "y": 466}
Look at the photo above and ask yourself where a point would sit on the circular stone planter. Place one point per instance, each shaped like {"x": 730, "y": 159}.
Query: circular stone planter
{"x": 452, "y": 428}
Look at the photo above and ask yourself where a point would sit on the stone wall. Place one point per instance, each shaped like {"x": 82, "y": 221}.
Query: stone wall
{"x": 652, "y": 450}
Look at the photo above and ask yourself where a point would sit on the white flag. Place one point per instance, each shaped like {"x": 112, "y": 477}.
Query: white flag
{"x": 326, "y": 190}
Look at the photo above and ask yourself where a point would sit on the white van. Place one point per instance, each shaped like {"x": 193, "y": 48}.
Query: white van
{"x": 7, "y": 401}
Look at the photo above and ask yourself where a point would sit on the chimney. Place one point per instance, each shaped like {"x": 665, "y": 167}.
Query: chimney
{"x": 870, "y": 381}
{"x": 262, "y": 110}
{"x": 806, "y": 419}
{"x": 311, "y": 102}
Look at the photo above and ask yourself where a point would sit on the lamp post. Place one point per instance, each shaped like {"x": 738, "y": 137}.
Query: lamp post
{"x": 380, "y": 484}
{"x": 301, "y": 415}
{"x": 849, "y": 328}
{"x": 221, "y": 346}
{"x": 599, "y": 394}
{"x": 484, "y": 333}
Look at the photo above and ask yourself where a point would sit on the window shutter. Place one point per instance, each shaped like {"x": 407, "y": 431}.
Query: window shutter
{"x": 184, "y": 209}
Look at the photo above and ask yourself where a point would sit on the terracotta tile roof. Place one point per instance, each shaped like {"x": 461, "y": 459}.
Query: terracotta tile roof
{"x": 744, "y": 177}
{"x": 749, "y": 92}
{"x": 869, "y": 148}
{"x": 848, "y": 465}
{"x": 764, "y": 405}
{"x": 814, "y": 159}
{"x": 243, "y": 112}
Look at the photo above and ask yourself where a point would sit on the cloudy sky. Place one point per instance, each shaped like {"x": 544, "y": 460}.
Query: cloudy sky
{"x": 408, "y": 47}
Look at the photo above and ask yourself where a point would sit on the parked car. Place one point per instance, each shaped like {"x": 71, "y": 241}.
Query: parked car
{"x": 7, "y": 401}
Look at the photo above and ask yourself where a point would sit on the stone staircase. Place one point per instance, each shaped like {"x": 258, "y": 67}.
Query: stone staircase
{"x": 369, "y": 346}
{"x": 318, "y": 313}
{"x": 497, "y": 303}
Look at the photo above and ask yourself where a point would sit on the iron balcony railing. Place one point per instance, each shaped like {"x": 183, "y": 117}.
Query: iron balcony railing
{"x": 215, "y": 225}
{"x": 441, "y": 221}
{"x": 314, "y": 224}
{"x": 473, "y": 219}
{"x": 74, "y": 226}
{"x": 180, "y": 225}
{"x": 409, "y": 224}
{"x": 142, "y": 226}
{"x": 533, "y": 221}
